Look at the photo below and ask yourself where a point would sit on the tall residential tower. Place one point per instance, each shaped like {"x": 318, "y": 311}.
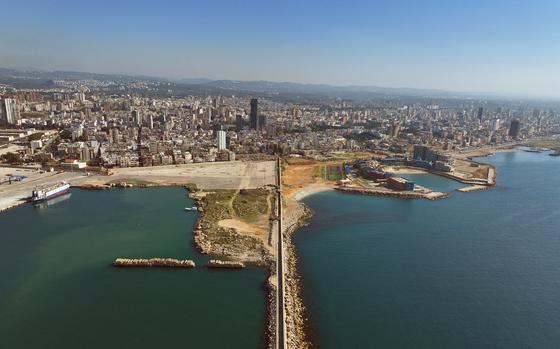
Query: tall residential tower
{"x": 254, "y": 116}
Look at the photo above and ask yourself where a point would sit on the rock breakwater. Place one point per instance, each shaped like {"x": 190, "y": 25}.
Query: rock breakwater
{"x": 153, "y": 263}
{"x": 216, "y": 263}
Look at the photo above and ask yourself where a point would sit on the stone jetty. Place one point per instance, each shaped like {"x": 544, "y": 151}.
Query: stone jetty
{"x": 216, "y": 263}
{"x": 154, "y": 263}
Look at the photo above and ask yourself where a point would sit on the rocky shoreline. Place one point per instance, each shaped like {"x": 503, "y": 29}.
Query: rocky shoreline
{"x": 297, "y": 323}
{"x": 271, "y": 292}
{"x": 123, "y": 184}
{"x": 237, "y": 247}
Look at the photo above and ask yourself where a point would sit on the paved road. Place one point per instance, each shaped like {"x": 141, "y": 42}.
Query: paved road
{"x": 280, "y": 311}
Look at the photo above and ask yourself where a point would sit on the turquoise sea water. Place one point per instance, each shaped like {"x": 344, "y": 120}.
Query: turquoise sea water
{"x": 59, "y": 290}
{"x": 476, "y": 270}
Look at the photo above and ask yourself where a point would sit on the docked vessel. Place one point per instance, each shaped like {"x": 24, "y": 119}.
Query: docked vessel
{"x": 194, "y": 208}
{"x": 54, "y": 201}
{"x": 48, "y": 192}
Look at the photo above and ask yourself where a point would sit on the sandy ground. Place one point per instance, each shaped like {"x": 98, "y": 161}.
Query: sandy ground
{"x": 311, "y": 189}
{"x": 207, "y": 176}
{"x": 241, "y": 226}
{"x": 299, "y": 179}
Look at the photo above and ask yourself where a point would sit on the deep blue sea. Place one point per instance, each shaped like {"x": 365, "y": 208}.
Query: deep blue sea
{"x": 476, "y": 270}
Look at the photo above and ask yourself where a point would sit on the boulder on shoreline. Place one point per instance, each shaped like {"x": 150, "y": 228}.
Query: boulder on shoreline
{"x": 216, "y": 263}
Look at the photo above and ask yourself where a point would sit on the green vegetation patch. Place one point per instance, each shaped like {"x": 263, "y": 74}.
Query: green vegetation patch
{"x": 217, "y": 206}
{"x": 334, "y": 172}
{"x": 250, "y": 204}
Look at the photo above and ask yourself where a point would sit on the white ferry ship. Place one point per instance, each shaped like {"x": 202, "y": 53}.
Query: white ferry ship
{"x": 48, "y": 192}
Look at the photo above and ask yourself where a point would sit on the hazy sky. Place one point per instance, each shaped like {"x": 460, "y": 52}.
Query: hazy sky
{"x": 468, "y": 45}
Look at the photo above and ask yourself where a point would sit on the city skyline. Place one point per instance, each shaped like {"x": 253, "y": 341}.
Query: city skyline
{"x": 499, "y": 48}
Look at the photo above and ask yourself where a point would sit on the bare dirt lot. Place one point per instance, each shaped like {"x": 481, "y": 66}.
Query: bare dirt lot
{"x": 207, "y": 176}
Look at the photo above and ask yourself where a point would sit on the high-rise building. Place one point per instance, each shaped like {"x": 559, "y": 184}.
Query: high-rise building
{"x": 514, "y": 128}
{"x": 151, "y": 121}
{"x": 495, "y": 126}
{"x": 479, "y": 114}
{"x": 221, "y": 139}
{"x": 254, "y": 115}
{"x": 239, "y": 122}
{"x": 262, "y": 122}
{"x": 137, "y": 118}
{"x": 115, "y": 135}
{"x": 9, "y": 111}
{"x": 394, "y": 131}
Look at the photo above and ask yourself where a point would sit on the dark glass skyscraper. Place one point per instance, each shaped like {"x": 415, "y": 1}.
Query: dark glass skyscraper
{"x": 239, "y": 122}
{"x": 514, "y": 128}
{"x": 254, "y": 115}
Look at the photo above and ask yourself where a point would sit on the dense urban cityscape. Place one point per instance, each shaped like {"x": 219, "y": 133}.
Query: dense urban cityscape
{"x": 117, "y": 123}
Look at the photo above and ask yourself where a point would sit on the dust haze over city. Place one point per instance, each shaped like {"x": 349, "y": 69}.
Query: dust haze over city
{"x": 297, "y": 174}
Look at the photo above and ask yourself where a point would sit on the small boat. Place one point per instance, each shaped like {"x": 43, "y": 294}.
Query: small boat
{"x": 194, "y": 208}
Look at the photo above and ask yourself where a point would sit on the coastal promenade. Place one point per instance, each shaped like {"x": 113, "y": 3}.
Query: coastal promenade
{"x": 280, "y": 310}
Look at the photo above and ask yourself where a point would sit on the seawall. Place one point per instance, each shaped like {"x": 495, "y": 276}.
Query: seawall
{"x": 399, "y": 194}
